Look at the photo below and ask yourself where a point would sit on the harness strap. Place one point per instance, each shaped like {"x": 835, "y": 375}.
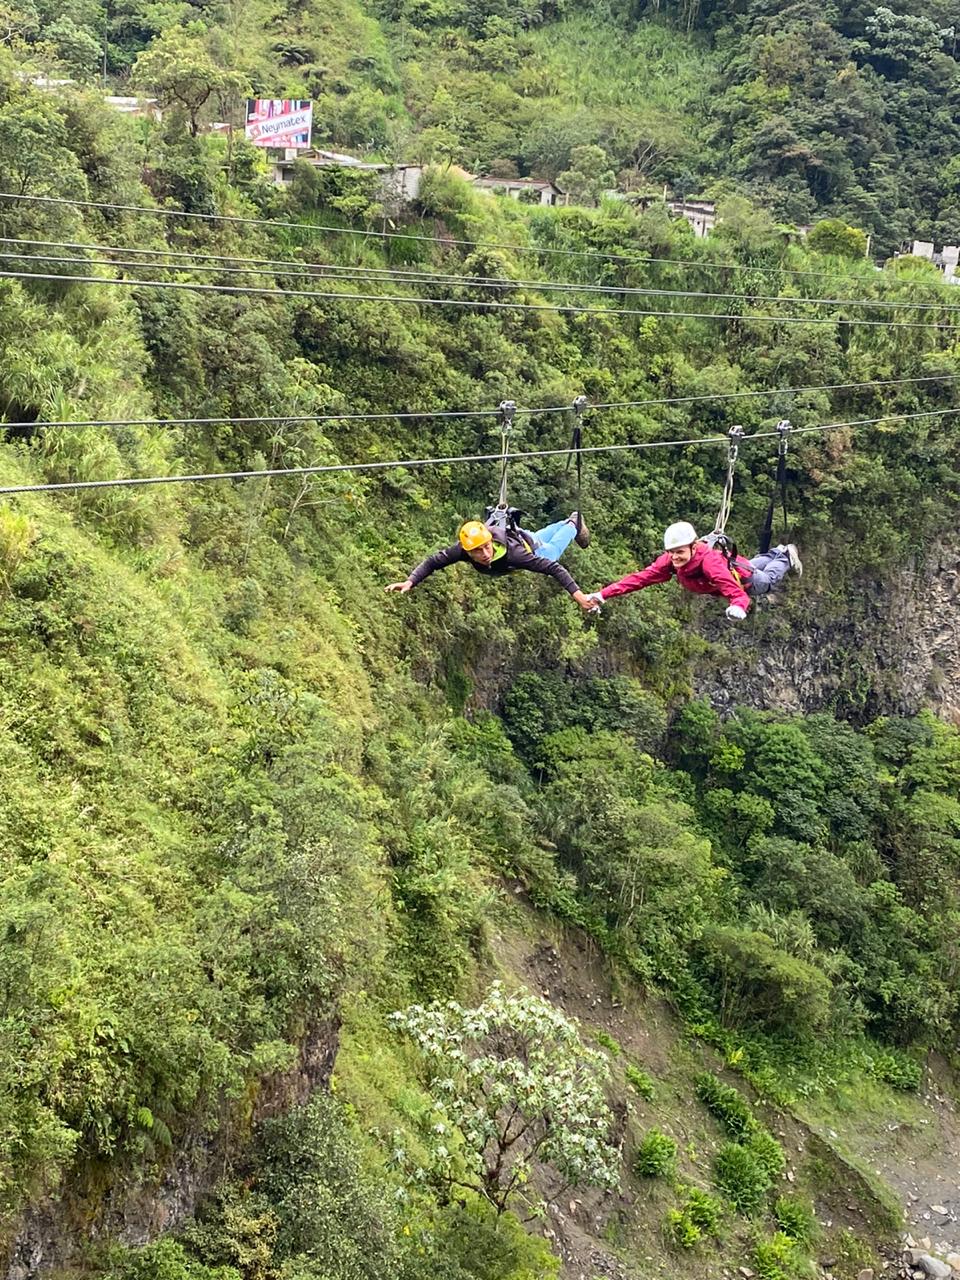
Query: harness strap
{"x": 779, "y": 489}
{"x": 508, "y": 409}
{"x": 719, "y": 539}
{"x": 576, "y": 447}
{"x": 735, "y": 435}
{"x": 503, "y": 516}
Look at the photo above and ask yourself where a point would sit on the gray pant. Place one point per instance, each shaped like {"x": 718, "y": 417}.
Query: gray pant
{"x": 769, "y": 570}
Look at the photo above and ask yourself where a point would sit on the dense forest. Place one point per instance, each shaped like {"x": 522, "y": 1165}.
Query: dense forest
{"x": 838, "y": 110}
{"x": 256, "y": 809}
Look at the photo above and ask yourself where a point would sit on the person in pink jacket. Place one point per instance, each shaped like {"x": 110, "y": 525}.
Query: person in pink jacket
{"x": 698, "y": 567}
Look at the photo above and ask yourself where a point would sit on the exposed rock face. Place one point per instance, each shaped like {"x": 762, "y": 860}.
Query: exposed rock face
{"x": 52, "y": 1232}
{"x": 894, "y": 649}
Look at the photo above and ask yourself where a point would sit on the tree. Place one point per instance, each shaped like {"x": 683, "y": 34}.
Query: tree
{"x": 589, "y": 174}
{"x": 548, "y": 144}
{"x": 47, "y": 166}
{"x": 834, "y": 237}
{"x": 514, "y": 1084}
{"x": 178, "y": 70}
{"x": 900, "y": 40}
{"x": 75, "y": 48}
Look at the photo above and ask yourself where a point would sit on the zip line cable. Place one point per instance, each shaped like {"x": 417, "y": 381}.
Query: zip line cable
{"x": 411, "y": 463}
{"x": 488, "y": 304}
{"x": 365, "y": 275}
{"x": 262, "y": 419}
{"x": 443, "y": 241}
{"x": 744, "y": 395}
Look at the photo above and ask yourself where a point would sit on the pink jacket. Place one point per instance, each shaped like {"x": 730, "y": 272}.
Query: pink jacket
{"x": 706, "y": 573}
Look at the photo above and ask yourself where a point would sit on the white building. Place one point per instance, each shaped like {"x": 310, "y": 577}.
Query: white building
{"x": 701, "y": 214}
{"x": 947, "y": 259}
{"x": 400, "y": 183}
{"x": 540, "y": 190}
{"x": 144, "y": 108}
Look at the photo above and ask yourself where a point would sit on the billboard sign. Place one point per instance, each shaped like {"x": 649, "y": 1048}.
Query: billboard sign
{"x": 278, "y": 122}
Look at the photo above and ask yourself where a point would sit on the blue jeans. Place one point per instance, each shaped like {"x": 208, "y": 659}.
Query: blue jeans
{"x": 553, "y": 541}
{"x": 769, "y": 570}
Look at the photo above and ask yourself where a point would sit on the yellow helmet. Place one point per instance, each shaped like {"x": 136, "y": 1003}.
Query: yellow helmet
{"x": 474, "y": 534}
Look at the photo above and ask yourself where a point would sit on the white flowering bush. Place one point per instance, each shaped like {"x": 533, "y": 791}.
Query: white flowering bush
{"x": 514, "y": 1087}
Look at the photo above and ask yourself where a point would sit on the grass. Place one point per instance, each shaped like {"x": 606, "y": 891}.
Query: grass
{"x": 596, "y": 63}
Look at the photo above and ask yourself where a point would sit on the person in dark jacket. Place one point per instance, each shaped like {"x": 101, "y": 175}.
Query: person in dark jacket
{"x": 700, "y": 568}
{"x": 496, "y": 551}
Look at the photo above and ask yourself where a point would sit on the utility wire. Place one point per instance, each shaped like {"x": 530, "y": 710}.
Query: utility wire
{"x": 442, "y": 241}
{"x": 297, "y": 267}
{"x": 411, "y": 463}
{"x": 479, "y": 413}
{"x": 311, "y": 227}
{"x": 368, "y": 275}
{"x": 488, "y": 304}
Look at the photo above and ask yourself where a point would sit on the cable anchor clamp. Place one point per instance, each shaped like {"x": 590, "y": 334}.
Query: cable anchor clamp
{"x": 507, "y": 410}
{"x": 735, "y": 435}
{"x": 784, "y": 427}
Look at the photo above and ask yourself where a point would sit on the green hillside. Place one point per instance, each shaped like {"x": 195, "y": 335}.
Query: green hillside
{"x": 259, "y": 814}
{"x": 845, "y": 111}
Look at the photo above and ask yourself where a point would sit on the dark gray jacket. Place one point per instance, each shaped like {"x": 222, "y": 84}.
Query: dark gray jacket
{"x": 518, "y": 555}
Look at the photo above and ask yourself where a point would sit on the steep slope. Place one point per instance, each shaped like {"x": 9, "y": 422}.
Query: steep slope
{"x": 241, "y": 803}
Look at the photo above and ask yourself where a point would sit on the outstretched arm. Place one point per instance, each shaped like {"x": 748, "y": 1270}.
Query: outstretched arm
{"x": 660, "y": 571}
{"x": 439, "y": 560}
{"x": 523, "y": 559}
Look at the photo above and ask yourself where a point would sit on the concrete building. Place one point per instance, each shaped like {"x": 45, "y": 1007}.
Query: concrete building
{"x": 947, "y": 259}
{"x": 536, "y": 190}
{"x": 701, "y": 214}
{"x": 142, "y": 108}
{"x": 400, "y": 183}
{"x": 283, "y": 169}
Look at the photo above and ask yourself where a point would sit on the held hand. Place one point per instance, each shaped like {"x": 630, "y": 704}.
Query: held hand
{"x": 735, "y": 613}
{"x": 590, "y": 603}
{"x": 402, "y": 587}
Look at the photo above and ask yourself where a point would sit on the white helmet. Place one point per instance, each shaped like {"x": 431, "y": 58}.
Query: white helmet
{"x": 680, "y": 534}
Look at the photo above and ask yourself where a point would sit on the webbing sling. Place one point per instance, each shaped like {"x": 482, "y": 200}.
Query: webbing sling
{"x": 719, "y": 538}
{"x": 576, "y": 446}
{"x": 780, "y": 488}
{"x": 503, "y": 516}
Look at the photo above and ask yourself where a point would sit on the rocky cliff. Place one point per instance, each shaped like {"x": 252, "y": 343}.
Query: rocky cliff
{"x": 892, "y": 649}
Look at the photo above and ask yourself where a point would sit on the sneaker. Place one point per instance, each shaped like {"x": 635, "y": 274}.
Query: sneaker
{"x": 796, "y": 564}
{"x": 583, "y": 533}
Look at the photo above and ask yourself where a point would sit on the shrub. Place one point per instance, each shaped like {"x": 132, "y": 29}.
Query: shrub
{"x": 776, "y": 1258}
{"x": 767, "y": 1151}
{"x": 704, "y": 1211}
{"x": 469, "y": 1242}
{"x": 17, "y": 533}
{"x": 726, "y": 1103}
{"x": 796, "y": 1219}
{"x": 328, "y": 1206}
{"x": 898, "y": 1070}
{"x": 741, "y": 1177}
{"x": 608, "y": 1043}
{"x": 656, "y": 1155}
{"x": 643, "y": 1083}
{"x": 679, "y": 1230}
{"x": 165, "y": 1259}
